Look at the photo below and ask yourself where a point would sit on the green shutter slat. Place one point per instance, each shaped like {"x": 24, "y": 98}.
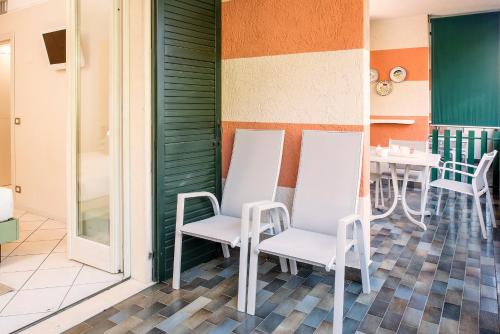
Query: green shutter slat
{"x": 186, "y": 38}
{"x": 182, "y": 99}
{"x": 188, "y": 106}
{"x": 195, "y": 23}
{"x": 200, "y": 4}
{"x": 187, "y": 14}
{"x": 174, "y": 69}
{"x": 189, "y": 45}
{"x": 172, "y": 22}
{"x": 190, "y": 81}
{"x": 187, "y": 144}
{"x": 175, "y": 188}
{"x": 189, "y": 87}
{"x": 186, "y": 93}
{"x": 206, "y": 66}
{"x": 188, "y": 32}
{"x": 184, "y": 52}
{"x": 192, "y": 8}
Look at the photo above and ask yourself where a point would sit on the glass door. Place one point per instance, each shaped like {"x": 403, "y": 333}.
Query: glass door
{"x": 95, "y": 66}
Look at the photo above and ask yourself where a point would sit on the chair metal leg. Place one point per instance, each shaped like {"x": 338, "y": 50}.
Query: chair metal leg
{"x": 225, "y": 251}
{"x": 382, "y": 193}
{"x": 490, "y": 207}
{"x": 338, "y": 300}
{"x": 277, "y": 229}
{"x": 389, "y": 188}
{"x": 252, "y": 278}
{"x": 176, "y": 280}
{"x": 377, "y": 192}
{"x": 480, "y": 214}
{"x": 242, "y": 278}
{"x": 363, "y": 256}
{"x": 439, "y": 201}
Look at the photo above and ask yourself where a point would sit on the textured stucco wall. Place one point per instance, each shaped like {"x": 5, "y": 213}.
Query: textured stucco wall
{"x": 294, "y": 65}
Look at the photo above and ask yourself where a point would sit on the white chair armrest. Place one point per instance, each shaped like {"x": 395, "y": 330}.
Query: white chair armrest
{"x": 453, "y": 163}
{"x": 257, "y": 212}
{"x": 347, "y": 220}
{"x": 444, "y": 169}
{"x": 342, "y": 235}
{"x": 181, "y": 198}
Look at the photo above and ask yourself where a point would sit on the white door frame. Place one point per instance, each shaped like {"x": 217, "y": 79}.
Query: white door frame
{"x": 10, "y": 38}
{"x": 116, "y": 257}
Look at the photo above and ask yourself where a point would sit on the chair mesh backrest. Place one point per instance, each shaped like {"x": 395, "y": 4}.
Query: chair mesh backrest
{"x": 328, "y": 181}
{"x": 253, "y": 173}
{"x": 414, "y": 144}
{"x": 482, "y": 169}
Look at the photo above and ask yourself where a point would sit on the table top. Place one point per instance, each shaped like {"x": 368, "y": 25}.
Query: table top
{"x": 423, "y": 159}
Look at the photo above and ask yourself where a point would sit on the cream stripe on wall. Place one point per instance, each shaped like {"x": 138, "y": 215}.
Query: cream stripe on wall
{"x": 307, "y": 88}
{"x": 399, "y": 33}
{"x": 409, "y": 98}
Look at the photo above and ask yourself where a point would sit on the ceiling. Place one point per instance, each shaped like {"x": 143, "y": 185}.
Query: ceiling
{"x": 380, "y": 9}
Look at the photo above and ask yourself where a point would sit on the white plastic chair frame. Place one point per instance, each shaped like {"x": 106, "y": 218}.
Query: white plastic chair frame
{"x": 479, "y": 185}
{"x": 243, "y": 242}
{"x": 337, "y": 261}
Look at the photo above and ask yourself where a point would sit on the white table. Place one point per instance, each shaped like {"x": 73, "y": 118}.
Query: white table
{"x": 425, "y": 160}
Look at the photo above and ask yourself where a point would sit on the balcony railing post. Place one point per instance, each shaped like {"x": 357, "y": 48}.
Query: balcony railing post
{"x": 470, "y": 153}
{"x": 435, "y": 150}
{"x": 458, "y": 153}
{"x": 484, "y": 142}
{"x": 447, "y": 149}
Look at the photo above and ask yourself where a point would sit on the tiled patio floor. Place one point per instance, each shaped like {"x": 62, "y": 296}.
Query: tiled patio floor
{"x": 442, "y": 280}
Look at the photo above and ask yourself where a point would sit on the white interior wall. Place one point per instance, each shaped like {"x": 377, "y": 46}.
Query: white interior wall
{"x": 41, "y": 103}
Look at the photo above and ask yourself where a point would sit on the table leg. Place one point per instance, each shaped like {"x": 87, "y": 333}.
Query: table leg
{"x": 424, "y": 185}
{"x": 403, "y": 200}
{"x": 394, "y": 177}
{"x": 425, "y": 193}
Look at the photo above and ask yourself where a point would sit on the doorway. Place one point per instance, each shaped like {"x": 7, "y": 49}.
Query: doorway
{"x": 6, "y": 131}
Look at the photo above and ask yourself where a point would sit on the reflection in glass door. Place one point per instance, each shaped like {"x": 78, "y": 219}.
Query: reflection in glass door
{"x": 95, "y": 56}
{"x": 95, "y": 100}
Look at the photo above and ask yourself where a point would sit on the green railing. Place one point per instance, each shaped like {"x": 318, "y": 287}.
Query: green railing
{"x": 463, "y": 150}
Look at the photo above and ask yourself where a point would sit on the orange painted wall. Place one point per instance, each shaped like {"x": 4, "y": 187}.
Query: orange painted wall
{"x": 381, "y": 133}
{"x": 414, "y": 60}
{"x": 264, "y": 28}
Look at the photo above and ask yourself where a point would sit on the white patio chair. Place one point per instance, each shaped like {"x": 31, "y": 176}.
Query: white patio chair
{"x": 477, "y": 188}
{"x": 253, "y": 176}
{"x": 324, "y": 206}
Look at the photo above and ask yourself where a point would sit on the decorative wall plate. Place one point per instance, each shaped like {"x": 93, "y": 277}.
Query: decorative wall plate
{"x": 398, "y": 74}
{"x": 373, "y": 75}
{"x": 384, "y": 88}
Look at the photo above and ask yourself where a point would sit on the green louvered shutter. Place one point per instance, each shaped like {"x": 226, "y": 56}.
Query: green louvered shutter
{"x": 187, "y": 122}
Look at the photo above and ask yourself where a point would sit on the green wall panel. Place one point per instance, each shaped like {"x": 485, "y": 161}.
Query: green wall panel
{"x": 466, "y": 70}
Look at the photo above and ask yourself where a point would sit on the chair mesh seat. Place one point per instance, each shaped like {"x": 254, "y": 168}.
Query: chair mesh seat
{"x": 218, "y": 228}
{"x": 311, "y": 247}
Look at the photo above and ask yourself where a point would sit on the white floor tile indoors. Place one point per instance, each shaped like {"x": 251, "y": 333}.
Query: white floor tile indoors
{"x": 43, "y": 279}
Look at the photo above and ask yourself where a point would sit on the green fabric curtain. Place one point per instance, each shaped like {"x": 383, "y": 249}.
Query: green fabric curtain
{"x": 466, "y": 70}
